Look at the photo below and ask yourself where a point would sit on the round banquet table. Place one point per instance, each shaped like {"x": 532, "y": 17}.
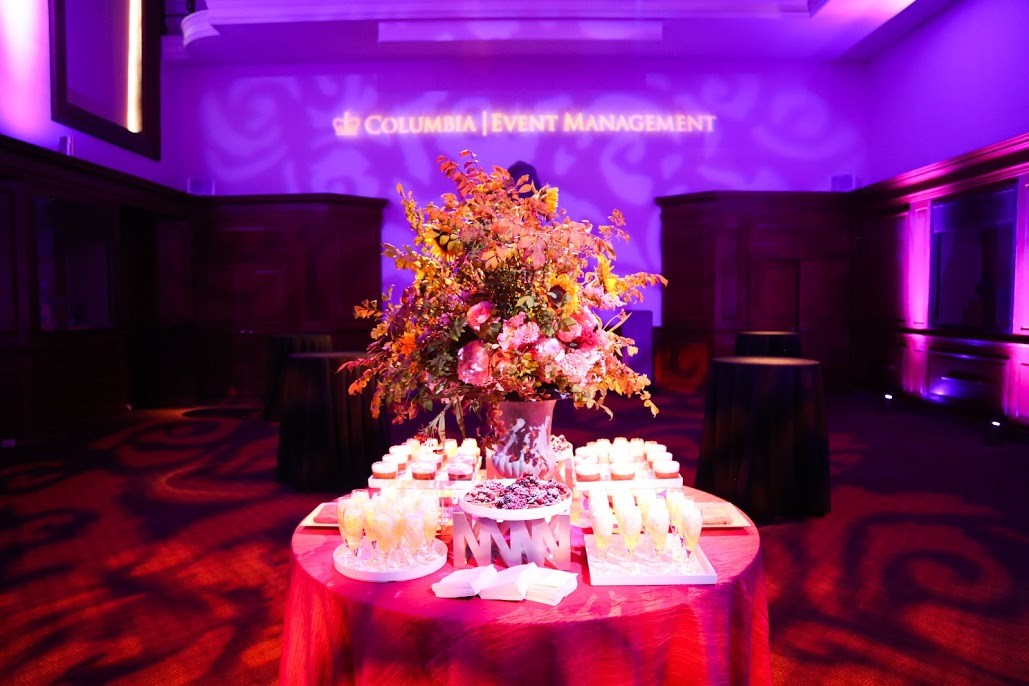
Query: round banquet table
{"x": 768, "y": 343}
{"x": 341, "y": 631}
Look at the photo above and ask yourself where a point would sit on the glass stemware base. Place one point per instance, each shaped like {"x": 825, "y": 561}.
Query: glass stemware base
{"x": 669, "y": 565}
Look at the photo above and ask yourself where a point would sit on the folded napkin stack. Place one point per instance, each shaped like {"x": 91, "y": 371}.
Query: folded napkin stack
{"x": 550, "y": 586}
{"x": 464, "y": 582}
{"x": 521, "y": 582}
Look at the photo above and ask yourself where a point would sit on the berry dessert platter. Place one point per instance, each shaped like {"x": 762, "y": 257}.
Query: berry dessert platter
{"x": 523, "y": 499}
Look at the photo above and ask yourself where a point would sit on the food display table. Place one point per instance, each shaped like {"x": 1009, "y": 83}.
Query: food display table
{"x": 341, "y": 631}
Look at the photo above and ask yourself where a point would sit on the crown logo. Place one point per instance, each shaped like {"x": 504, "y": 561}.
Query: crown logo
{"x": 347, "y": 125}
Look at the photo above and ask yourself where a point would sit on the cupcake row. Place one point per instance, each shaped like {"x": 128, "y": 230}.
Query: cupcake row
{"x": 430, "y": 459}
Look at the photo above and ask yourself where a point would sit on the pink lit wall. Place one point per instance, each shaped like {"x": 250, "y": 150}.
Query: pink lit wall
{"x": 955, "y": 84}
{"x": 25, "y": 99}
{"x": 778, "y": 127}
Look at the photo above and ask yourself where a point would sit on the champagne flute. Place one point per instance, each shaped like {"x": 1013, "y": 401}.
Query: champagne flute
{"x": 657, "y": 526}
{"x": 353, "y": 527}
{"x": 430, "y": 522}
{"x": 385, "y": 529}
{"x": 414, "y": 533}
{"x": 630, "y": 525}
{"x": 693, "y": 524}
{"x": 603, "y": 528}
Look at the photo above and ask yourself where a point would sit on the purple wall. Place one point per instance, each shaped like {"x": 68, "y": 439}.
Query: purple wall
{"x": 955, "y": 84}
{"x": 779, "y": 126}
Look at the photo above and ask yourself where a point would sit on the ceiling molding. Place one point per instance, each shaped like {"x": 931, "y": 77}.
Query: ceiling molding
{"x": 263, "y": 11}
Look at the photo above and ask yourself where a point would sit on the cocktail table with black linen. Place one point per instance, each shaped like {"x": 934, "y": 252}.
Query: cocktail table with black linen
{"x": 280, "y": 347}
{"x": 328, "y": 438}
{"x": 341, "y": 631}
{"x": 765, "y": 444}
{"x": 768, "y": 344}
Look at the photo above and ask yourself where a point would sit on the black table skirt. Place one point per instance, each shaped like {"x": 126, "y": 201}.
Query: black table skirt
{"x": 768, "y": 343}
{"x": 328, "y": 438}
{"x": 765, "y": 444}
{"x": 280, "y": 347}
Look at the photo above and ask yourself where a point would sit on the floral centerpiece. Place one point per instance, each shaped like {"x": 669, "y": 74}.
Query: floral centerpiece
{"x": 505, "y": 305}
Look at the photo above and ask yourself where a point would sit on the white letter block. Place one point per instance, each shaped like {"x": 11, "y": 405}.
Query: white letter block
{"x": 517, "y": 542}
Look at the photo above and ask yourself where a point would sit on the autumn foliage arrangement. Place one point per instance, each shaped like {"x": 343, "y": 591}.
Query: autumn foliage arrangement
{"x": 511, "y": 300}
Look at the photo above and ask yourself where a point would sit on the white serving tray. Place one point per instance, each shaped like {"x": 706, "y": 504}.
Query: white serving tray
{"x": 340, "y": 556}
{"x": 311, "y": 523}
{"x": 736, "y": 518}
{"x": 614, "y": 573}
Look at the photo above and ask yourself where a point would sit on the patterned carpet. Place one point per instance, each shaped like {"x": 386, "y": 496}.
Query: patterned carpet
{"x": 156, "y": 551}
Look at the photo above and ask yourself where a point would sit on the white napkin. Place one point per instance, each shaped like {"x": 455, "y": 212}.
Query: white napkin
{"x": 464, "y": 583}
{"x": 550, "y": 586}
{"x": 510, "y": 584}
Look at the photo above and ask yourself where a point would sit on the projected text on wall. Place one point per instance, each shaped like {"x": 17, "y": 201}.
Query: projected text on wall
{"x": 487, "y": 122}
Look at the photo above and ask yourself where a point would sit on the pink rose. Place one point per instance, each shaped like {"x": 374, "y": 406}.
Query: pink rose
{"x": 549, "y": 349}
{"x": 479, "y": 313}
{"x": 473, "y": 364}
{"x": 571, "y": 333}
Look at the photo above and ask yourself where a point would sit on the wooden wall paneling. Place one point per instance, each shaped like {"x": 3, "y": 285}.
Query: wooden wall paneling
{"x": 12, "y": 395}
{"x": 1020, "y": 411}
{"x": 692, "y": 252}
{"x": 78, "y": 378}
{"x": 972, "y": 380}
{"x": 730, "y": 286}
{"x": 879, "y": 268}
{"x": 83, "y": 217}
{"x": 8, "y": 273}
{"x": 356, "y": 233}
{"x": 773, "y": 294}
{"x": 824, "y": 316}
{"x": 174, "y": 273}
{"x": 1020, "y": 299}
{"x": 751, "y": 248}
{"x": 282, "y": 264}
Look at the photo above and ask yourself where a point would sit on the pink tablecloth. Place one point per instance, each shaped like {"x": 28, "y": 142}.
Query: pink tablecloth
{"x": 339, "y": 631}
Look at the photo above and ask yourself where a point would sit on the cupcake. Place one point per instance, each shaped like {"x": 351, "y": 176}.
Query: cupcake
{"x": 666, "y": 469}
{"x": 459, "y": 471}
{"x": 424, "y": 471}
{"x": 658, "y": 456}
{"x": 399, "y": 459}
{"x": 623, "y": 471}
{"x": 384, "y": 470}
{"x": 586, "y": 458}
{"x": 585, "y": 471}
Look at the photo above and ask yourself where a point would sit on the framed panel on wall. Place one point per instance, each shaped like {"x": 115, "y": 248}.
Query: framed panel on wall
{"x": 973, "y": 255}
{"x": 105, "y": 61}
